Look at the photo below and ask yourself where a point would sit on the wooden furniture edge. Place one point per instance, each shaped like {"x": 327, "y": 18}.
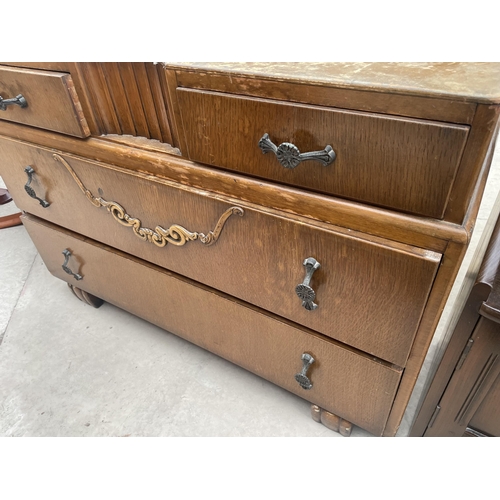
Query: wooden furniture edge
{"x": 367, "y": 100}
{"x": 400, "y": 87}
{"x": 465, "y": 196}
{"x": 412, "y": 230}
{"x": 483, "y": 118}
{"x": 475, "y": 289}
{"x": 443, "y": 283}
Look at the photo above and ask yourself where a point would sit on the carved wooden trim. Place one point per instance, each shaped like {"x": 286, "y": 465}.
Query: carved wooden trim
{"x": 480, "y": 383}
{"x": 127, "y": 99}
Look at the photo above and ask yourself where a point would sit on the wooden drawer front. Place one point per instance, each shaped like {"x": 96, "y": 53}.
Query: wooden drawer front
{"x": 399, "y": 163}
{"x": 52, "y": 103}
{"x": 370, "y": 294}
{"x": 344, "y": 382}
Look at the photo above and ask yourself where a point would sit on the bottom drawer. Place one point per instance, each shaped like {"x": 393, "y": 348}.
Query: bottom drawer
{"x": 354, "y": 386}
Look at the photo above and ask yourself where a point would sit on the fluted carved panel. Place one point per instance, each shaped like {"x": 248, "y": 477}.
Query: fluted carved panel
{"x": 128, "y": 99}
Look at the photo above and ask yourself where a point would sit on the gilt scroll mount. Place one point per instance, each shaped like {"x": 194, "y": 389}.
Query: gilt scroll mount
{"x": 176, "y": 235}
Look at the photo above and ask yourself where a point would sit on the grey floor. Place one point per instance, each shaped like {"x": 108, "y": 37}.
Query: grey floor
{"x": 67, "y": 369}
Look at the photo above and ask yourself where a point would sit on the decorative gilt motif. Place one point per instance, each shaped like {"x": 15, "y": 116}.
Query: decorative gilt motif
{"x": 175, "y": 234}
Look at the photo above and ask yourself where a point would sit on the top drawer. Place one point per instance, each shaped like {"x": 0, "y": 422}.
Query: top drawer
{"x": 399, "y": 163}
{"x": 50, "y": 97}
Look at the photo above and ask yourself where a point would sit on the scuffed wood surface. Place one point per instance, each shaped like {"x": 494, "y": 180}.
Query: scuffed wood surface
{"x": 476, "y": 82}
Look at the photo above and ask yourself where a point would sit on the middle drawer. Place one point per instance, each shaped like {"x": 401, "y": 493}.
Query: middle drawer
{"x": 257, "y": 257}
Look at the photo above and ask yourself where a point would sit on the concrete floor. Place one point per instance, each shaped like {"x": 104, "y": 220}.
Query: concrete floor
{"x": 67, "y": 369}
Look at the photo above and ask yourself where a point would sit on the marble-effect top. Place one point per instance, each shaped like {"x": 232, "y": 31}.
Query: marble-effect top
{"x": 477, "y": 82}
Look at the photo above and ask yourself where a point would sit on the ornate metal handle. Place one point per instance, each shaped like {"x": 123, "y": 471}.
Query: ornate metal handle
{"x": 175, "y": 234}
{"x": 31, "y": 192}
{"x": 66, "y": 269}
{"x": 302, "y": 378}
{"x": 18, "y": 100}
{"x": 304, "y": 291}
{"x": 289, "y": 155}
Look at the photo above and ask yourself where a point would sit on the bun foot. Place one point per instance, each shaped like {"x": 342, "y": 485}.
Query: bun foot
{"x": 331, "y": 421}
{"x": 86, "y": 297}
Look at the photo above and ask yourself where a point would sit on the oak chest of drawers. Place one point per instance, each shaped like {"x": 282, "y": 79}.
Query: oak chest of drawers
{"x": 305, "y": 222}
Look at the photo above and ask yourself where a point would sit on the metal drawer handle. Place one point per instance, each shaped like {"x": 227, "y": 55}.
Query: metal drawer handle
{"x": 302, "y": 378}
{"x": 66, "y": 269}
{"x": 304, "y": 291}
{"x": 31, "y": 192}
{"x": 18, "y": 100}
{"x": 289, "y": 155}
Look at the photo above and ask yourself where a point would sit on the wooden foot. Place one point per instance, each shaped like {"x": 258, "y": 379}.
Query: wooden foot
{"x": 331, "y": 421}
{"x": 86, "y": 297}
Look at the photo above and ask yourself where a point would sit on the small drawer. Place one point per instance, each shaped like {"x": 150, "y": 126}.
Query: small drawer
{"x": 400, "y": 163}
{"x": 259, "y": 257}
{"x": 48, "y": 100}
{"x": 346, "y": 383}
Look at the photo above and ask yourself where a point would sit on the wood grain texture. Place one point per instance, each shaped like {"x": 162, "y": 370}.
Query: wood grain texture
{"x": 470, "y": 82}
{"x": 343, "y": 382}
{"x": 76, "y": 71}
{"x": 404, "y": 164}
{"x": 63, "y": 67}
{"x": 382, "y": 284}
{"x": 417, "y": 231}
{"x": 53, "y": 103}
{"x": 156, "y": 78}
{"x": 100, "y": 98}
{"x": 127, "y": 99}
{"x": 258, "y": 257}
{"x": 169, "y": 86}
{"x": 414, "y": 107}
{"x": 474, "y": 168}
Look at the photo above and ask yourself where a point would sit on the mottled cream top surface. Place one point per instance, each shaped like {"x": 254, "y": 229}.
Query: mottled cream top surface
{"x": 478, "y": 82}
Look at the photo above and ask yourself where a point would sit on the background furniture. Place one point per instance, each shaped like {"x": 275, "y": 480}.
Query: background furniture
{"x": 10, "y": 219}
{"x": 463, "y": 397}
